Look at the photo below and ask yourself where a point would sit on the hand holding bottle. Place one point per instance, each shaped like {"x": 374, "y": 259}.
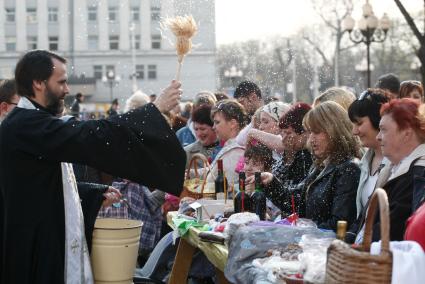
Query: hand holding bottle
{"x": 112, "y": 195}
{"x": 266, "y": 178}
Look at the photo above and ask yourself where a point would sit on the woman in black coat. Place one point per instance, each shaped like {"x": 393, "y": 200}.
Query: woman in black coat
{"x": 328, "y": 193}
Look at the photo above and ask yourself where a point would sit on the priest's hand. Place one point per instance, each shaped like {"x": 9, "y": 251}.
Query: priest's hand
{"x": 169, "y": 98}
{"x": 112, "y": 195}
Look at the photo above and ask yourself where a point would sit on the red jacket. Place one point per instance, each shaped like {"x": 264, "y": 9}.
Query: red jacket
{"x": 415, "y": 230}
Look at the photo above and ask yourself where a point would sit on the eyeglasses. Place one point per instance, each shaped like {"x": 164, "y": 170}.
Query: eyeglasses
{"x": 13, "y": 104}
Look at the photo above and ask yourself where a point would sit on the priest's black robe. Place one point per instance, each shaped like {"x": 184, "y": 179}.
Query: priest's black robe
{"x": 139, "y": 146}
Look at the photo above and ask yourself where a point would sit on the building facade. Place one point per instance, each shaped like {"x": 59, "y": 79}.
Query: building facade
{"x": 112, "y": 46}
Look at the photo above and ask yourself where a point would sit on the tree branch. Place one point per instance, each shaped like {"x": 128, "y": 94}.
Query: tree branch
{"x": 318, "y": 50}
{"x": 410, "y": 22}
{"x": 348, "y": 47}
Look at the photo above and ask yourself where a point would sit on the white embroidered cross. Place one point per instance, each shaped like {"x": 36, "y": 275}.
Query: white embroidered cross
{"x": 74, "y": 246}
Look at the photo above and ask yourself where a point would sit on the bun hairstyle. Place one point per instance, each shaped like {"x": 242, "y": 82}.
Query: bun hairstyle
{"x": 231, "y": 109}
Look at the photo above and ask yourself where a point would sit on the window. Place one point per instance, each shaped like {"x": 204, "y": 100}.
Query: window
{"x": 97, "y": 71}
{"x": 137, "y": 42}
{"x": 93, "y": 42}
{"x": 10, "y": 43}
{"x": 10, "y": 14}
{"x": 151, "y": 71}
{"x": 140, "y": 71}
{"x": 53, "y": 43}
{"x": 32, "y": 42}
{"x": 134, "y": 14}
{"x": 156, "y": 41}
{"x": 112, "y": 14}
{"x": 155, "y": 13}
{"x": 114, "y": 42}
{"x": 53, "y": 14}
{"x": 92, "y": 13}
{"x": 31, "y": 15}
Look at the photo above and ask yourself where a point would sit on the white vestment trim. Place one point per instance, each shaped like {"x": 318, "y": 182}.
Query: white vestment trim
{"x": 77, "y": 261}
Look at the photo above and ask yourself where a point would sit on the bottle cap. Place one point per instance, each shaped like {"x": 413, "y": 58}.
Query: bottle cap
{"x": 341, "y": 229}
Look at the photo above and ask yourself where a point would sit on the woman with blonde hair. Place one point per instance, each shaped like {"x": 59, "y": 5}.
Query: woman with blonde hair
{"x": 329, "y": 191}
{"x": 341, "y": 96}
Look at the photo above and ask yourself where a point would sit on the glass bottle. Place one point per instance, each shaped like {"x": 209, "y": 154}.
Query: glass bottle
{"x": 220, "y": 181}
{"x": 341, "y": 230}
{"x": 258, "y": 198}
{"x": 242, "y": 200}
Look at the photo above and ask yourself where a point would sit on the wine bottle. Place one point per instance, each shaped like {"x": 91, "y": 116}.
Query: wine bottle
{"x": 258, "y": 198}
{"x": 242, "y": 200}
{"x": 220, "y": 181}
{"x": 341, "y": 230}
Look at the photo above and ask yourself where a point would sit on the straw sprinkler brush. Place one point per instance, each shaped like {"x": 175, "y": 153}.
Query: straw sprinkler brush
{"x": 184, "y": 28}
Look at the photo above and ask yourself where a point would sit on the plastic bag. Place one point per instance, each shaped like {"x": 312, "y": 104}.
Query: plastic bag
{"x": 313, "y": 257}
{"x": 251, "y": 242}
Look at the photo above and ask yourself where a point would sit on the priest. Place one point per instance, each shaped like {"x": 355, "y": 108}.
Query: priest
{"x": 42, "y": 231}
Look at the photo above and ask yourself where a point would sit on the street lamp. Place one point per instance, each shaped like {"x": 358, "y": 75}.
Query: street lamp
{"x": 370, "y": 29}
{"x": 133, "y": 57}
{"x": 233, "y": 74}
{"x": 362, "y": 68}
{"x": 415, "y": 66}
{"x": 111, "y": 79}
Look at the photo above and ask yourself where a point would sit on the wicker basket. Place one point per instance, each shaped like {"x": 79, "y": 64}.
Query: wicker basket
{"x": 346, "y": 265}
{"x": 194, "y": 187}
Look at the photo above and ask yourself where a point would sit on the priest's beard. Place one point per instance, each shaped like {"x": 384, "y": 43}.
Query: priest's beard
{"x": 55, "y": 103}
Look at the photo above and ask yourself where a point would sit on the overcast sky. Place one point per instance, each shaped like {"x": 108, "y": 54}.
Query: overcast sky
{"x": 239, "y": 20}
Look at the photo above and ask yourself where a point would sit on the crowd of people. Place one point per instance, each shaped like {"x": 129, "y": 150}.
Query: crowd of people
{"x": 322, "y": 161}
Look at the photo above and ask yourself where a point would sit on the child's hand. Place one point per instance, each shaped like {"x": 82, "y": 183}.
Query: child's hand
{"x": 266, "y": 178}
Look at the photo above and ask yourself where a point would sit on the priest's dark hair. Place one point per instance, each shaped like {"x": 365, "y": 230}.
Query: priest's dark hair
{"x": 35, "y": 65}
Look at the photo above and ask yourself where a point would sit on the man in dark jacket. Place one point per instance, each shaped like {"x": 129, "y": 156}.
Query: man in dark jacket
{"x": 42, "y": 231}
{"x": 75, "y": 107}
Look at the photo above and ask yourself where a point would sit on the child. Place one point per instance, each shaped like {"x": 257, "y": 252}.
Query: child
{"x": 259, "y": 158}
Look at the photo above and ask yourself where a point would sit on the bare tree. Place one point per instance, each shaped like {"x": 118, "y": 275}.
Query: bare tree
{"x": 420, "y": 36}
{"x": 332, "y": 12}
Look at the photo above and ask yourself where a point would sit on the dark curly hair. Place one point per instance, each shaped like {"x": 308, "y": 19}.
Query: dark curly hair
{"x": 294, "y": 117}
{"x": 202, "y": 115}
{"x": 245, "y": 88}
{"x": 259, "y": 153}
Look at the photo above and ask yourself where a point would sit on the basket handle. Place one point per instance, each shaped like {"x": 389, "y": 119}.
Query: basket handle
{"x": 378, "y": 197}
{"x": 193, "y": 163}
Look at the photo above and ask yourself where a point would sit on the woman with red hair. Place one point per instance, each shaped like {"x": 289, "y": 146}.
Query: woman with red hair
{"x": 401, "y": 136}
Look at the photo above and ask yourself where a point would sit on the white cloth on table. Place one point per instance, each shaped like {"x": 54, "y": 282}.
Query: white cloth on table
{"x": 408, "y": 261}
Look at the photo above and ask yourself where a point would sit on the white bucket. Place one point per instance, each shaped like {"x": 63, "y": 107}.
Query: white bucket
{"x": 115, "y": 248}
